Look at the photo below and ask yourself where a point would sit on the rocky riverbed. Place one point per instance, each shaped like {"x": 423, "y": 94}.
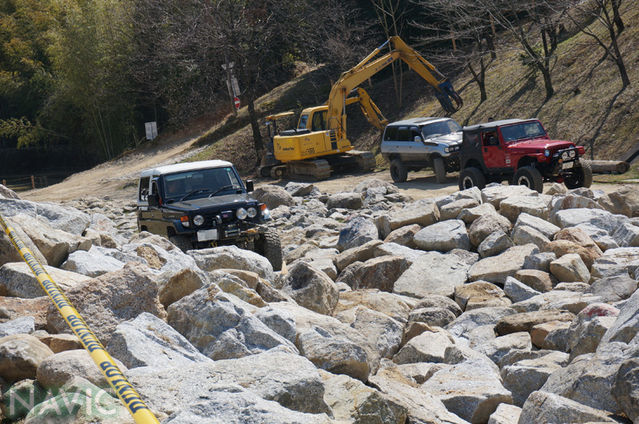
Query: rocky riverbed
{"x": 495, "y": 306}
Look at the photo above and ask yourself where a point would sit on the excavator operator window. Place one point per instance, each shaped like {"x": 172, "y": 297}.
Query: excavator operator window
{"x": 319, "y": 121}
{"x": 302, "y": 124}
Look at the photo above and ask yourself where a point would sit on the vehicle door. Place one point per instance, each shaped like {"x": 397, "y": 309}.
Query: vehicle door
{"x": 154, "y": 222}
{"x": 493, "y": 149}
{"x": 406, "y": 144}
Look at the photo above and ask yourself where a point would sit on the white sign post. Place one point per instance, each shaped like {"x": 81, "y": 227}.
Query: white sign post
{"x": 151, "y": 129}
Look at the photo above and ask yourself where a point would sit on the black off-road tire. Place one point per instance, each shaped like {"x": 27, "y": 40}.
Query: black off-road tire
{"x": 440, "y": 170}
{"x": 181, "y": 242}
{"x": 471, "y": 177}
{"x": 529, "y": 177}
{"x": 398, "y": 171}
{"x": 582, "y": 177}
{"x": 269, "y": 246}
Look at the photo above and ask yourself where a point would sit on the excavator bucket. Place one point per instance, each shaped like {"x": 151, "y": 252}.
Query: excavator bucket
{"x": 446, "y": 94}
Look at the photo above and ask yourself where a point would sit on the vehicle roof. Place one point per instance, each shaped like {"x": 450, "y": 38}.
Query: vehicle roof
{"x": 493, "y": 124}
{"x": 418, "y": 121}
{"x": 186, "y": 166}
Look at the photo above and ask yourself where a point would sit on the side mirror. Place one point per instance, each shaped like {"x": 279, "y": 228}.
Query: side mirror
{"x": 153, "y": 199}
{"x": 418, "y": 139}
{"x": 249, "y": 186}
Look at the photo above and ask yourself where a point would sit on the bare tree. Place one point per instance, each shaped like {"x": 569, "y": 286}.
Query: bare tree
{"x": 530, "y": 23}
{"x": 584, "y": 12}
{"x": 466, "y": 34}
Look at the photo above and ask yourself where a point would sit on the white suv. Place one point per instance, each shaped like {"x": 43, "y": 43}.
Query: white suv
{"x": 413, "y": 144}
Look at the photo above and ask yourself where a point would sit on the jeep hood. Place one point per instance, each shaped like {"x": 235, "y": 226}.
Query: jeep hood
{"x": 539, "y": 145}
{"x": 452, "y": 138}
{"x": 215, "y": 202}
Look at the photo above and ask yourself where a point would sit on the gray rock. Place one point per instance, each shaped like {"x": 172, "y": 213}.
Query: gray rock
{"x": 613, "y": 288}
{"x": 529, "y": 375}
{"x": 626, "y": 235}
{"x": 62, "y": 218}
{"x": 624, "y": 260}
{"x": 513, "y": 206}
{"x": 22, "y": 325}
{"x": 92, "y": 263}
{"x": 496, "y": 193}
{"x": 356, "y": 254}
{"x": 505, "y": 414}
{"x": 548, "y": 229}
{"x": 404, "y": 235}
{"x": 540, "y": 261}
{"x": 17, "y": 280}
{"x": 434, "y": 273}
{"x": 498, "y": 347}
{"x": 393, "y": 305}
{"x": 106, "y": 301}
{"x": 595, "y": 217}
{"x": 377, "y": 273}
{"x": 556, "y": 299}
{"x": 625, "y": 388}
{"x": 453, "y": 209}
{"x": 477, "y": 292}
{"x": 299, "y": 189}
{"x": 518, "y": 291}
{"x": 486, "y": 225}
{"x": 427, "y": 347}
{"x": 469, "y": 390}
{"x": 473, "y": 194}
{"x": 20, "y": 356}
{"x": 433, "y": 316}
{"x": 423, "y": 212}
{"x": 358, "y": 231}
{"x": 232, "y": 257}
{"x": 470, "y": 320}
{"x": 494, "y": 244}
{"x": 470, "y": 215}
{"x": 570, "y": 268}
{"x": 535, "y": 279}
{"x": 393, "y": 249}
{"x": 497, "y": 268}
{"x": 7, "y": 193}
{"x": 345, "y": 201}
{"x": 311, "y": 288}
{"x": 147, "y": 341}
{"x": 221, "y": 329}
{"x": 422, "y": 407}
{"x": 589, "y": 327}
{"x": 279, "y": 321}
{"x": 273, "y": 196}
{"x": 384, "y": 330}
{"x": 523, "y": 234}
{"x": 470, "y": 258}
{"x": 544, "y": 407}
{"x": 525, "y": 321}
{"x": 443, "y": 236}
{"x": 627, "y": 325}
{"x": 58, "y": 369}
{"x": 603, "y": 239}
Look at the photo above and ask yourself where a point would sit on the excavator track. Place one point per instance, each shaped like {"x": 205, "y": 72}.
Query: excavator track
{"x": 318, "y": 169}
{"x": 321, "y": 169}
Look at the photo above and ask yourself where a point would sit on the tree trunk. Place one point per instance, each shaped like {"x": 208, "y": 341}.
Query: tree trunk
{"x": 616, "y": 16}
{"x": 547, "y": 81}
{"x": 479, "y": 78}
{"x": 258, "y": 143}
{"x": 618, "y": 58}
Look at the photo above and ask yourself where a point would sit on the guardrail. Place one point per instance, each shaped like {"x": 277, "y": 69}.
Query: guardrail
{"x": 116, "y": 379}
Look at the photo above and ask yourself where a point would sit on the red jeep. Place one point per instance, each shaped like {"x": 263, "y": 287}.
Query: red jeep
{"x": 521, "y": 152}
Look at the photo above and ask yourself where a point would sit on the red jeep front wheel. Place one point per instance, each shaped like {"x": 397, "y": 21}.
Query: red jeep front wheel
{"x": 471, "y": 177}
{"x": 582, "y": 176}
{"x": 529, "y": 177}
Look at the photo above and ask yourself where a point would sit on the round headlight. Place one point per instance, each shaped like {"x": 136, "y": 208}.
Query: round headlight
{"x": 241, "y": 213}
{"x": 447, "y": 149}
{"x": 572, "y": 153}
{"x": 198, "y": 220}
{"x": 252, "y": 212}
{"x": 546, "y": 152}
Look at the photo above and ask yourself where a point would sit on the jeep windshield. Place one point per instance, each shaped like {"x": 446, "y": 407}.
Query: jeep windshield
{"x": 440, "y": 128}
{"x": 200, "y": 183}
{"x": 522, "y": 131}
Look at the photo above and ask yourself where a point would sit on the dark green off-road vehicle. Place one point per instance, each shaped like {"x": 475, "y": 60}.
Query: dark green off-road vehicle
{"x": 205, "y": 204}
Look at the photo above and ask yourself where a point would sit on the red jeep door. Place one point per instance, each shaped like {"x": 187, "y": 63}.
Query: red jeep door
{"x": 493, "y": 150}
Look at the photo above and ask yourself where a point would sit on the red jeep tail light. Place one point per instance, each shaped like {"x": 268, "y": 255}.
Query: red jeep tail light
{"x": 581, "y": 150}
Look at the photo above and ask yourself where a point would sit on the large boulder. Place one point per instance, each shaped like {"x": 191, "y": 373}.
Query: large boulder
{"x": 434, "y": 273}
{"x": 221, "y": 328}
{"x": 423, "y": 212}
{"x": 20, "y": 356}
{"x": 21, "y": 325}
{"x": 623, "y": 260}
{"x": 613, "y": 288}
{"x": 497, "y": 348}
{"x": 513, "y": 206}
{"x": 404, "y": 235}
{"x": 525, "y": 321}
{"x": 443, "y": 236}
{"x": 377, "y": 273}
{"x": 528, "y": 375}
{"x": 478, "y": 293}
{"x": 496, "y": 269}
{"x": 494, "y": 194}
{"x": 523, "y": 234}
{"x": 535, "y": 279}
{"x": 58, "y": 369}
{"x": 352, "y": 401}
{"x": 548, "y": 229}
{"x": 494, "y": 244}
{"x": 17, "y": 280}
{"x": 345, "y": 201}
{"x": 486, "y": 225}
{"x": 357, "y": 232}
{"x": 382, "y": 329}
{"x": 430, "y": 346}
{"x": 594, "y": 217}
{"x": 395, "y": 306}
{"x": 470, "y": 320}
{"x": 625, "y": 201}
{"x": 92, "y": 263}
{"x": 544, "y": 407}
{"x": 588, "y": 328}
{"x": 570, "y": 268}
{"x": 470, "y": 215}
{"x": 273, "y": 196}
{"x": 147, "y": 341}
{"x": 356, "y": 254}
{"x": 311, "y": 288}
{"x": 110, "y": 299}
{"x": 518, "y": 291}
{"x": 232, "y": 257}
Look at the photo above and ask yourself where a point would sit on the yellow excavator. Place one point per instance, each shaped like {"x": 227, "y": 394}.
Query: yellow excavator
{"x": 319, "y": 146}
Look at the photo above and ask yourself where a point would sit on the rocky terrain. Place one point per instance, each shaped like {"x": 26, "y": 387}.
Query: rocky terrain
{"x": 495, "y": 306}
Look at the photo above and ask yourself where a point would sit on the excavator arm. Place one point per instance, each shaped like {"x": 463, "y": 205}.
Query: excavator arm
{"x": 370, "y": 110}
{"x": 373, "y": 64}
